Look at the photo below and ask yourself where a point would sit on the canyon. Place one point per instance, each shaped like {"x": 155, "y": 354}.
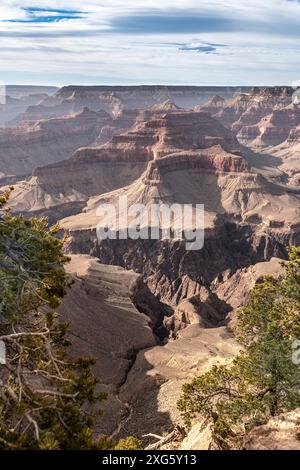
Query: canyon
{"x": 152, "y": 313}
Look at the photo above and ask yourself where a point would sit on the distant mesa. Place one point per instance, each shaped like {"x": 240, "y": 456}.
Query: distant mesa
{"x": 167, "y": 106}
{"x": 214, "y": 105}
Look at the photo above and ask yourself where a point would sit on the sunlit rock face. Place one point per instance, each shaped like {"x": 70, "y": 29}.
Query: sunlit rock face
{"x": 279, "y": 433}
{"x": 38, "y": 143}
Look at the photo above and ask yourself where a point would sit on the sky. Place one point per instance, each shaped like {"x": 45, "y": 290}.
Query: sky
{"x": 129, "y": 42}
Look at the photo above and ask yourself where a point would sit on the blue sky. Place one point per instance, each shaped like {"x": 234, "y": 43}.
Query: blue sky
{"x": 191, "y": 42}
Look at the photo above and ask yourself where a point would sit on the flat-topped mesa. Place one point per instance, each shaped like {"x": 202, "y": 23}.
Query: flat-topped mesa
{"x": 114, "y": 99}
{"x": 15, "y": 105}
{"x": 159, "y": 137}
{"x": 214, "y": 159}
{"x": 145, "y": 96}
{"x": 60, "y": 105}
{"x": 77, "y": 121}
{"x": 107, "y": 101}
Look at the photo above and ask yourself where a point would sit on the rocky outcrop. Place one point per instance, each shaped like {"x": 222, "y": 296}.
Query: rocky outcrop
{"x": 234, "y": 288}
{"x": 119, "y": 124}
{"x": 59, "y": 105}
{"x": 97, "y": 170}
{"x": 17, "y": 104}
{"x": 287, "y": 154}
{"x": 214, "y": 159}
{"x": 143, "y": 97}
{"x": 30, "y": 145}
{"x": 158, "y": 110}
{"x": 204, "y": 309}
{"x": 273, "y": 129}
{"x": 159, "y": 373}
{"x": 213, "y": 106}
{"x": 108, "y": 311}
{"x": 241, "y": 208}
{"x": 200, "y": 437}
{"x": 112, "y": 99}
{"x": 106, "y": 325}
{"x": 280, "y": 433}
{"x": 247, "y": 109}
{"x": 156, "y": 138}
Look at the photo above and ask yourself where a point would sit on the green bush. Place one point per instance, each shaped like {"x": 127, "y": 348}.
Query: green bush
{"x": 262, "y": 381}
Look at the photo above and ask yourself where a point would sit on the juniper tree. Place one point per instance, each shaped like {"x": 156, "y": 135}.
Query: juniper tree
{"x": 262, "y": 381}
{"x": 45, "y": 396}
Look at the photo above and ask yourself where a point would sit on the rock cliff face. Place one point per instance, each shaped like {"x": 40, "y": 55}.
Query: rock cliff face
{"x": 105, "y": 308}
{"x": 288, "y": 153}
{"x": 156, "y": 138}
{"x": 247, "y": 109}
{"x": 113, "y": 100}
{"x": 279, "y": 433}
{"x": 158, "y": 111}
{"x": 97, "y": 170}
{"x": 33, "y": 144}
{"x": 121, "y": 123}
{"x": 273, "y": 129}
{"x": 107, "y": 325}
{"x": 277, "y": 135}
{"x": 241, "y": 207}
{"x": 17, "y": 103}
{"x": 146, "y": 96}
{"x": 59, "y": 105}
{"x": 62, "y": 189}
{"x": 214, "y": 106}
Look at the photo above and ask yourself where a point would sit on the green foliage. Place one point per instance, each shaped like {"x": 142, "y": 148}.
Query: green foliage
{"x": 31, "y": 266}
{"x": 262, "y": 381}
{"x": 130, "y": 443}
{"x": 273, "y": 308}
{"x": 47, "y": 399}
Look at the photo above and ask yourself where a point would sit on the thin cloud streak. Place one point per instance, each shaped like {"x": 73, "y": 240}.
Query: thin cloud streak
{"x": 208, "y": 42}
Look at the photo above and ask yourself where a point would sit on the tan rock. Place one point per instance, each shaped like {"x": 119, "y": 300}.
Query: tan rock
{"x": 106, "y": 325}
{"x": 199, "y": 437}
{"x": 280, "y": 433}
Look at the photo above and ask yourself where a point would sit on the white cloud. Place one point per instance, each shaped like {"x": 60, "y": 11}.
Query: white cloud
{"x": 115, "y": 41}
